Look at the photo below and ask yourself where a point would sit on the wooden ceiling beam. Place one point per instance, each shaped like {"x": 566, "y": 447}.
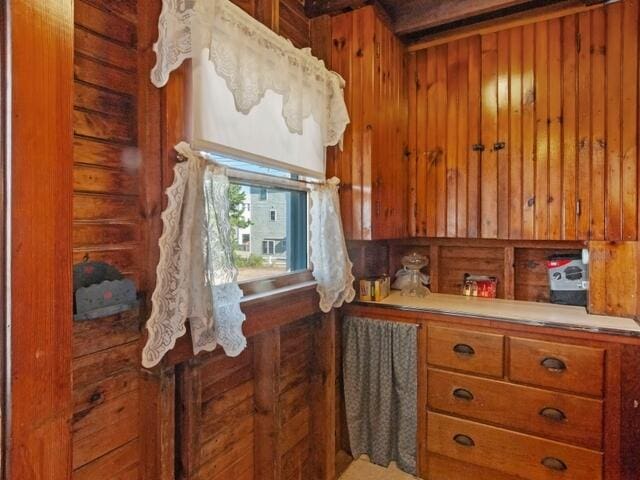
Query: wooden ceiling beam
{"x": 414, "y": 15}
{"x": 315, "y": 8}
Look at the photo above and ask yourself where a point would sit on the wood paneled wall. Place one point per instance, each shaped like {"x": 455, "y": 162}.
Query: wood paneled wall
{"x": 106, "y": 416}
{"x": 372, "y": 164}
{"x": 262, "y": 414}
{"x": 562, "y": 95}
{"x": 106, "y": 158}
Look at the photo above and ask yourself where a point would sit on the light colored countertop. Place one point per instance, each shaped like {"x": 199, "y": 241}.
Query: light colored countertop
{"x": 530, "y": 313}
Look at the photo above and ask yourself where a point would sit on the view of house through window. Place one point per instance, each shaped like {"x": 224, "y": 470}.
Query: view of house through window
{"x": 270, "y": 230}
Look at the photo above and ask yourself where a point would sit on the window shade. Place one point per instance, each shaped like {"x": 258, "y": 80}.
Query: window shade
{"x": 281, "y": 106}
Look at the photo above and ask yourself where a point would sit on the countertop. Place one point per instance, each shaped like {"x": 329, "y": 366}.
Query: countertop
{"x": 514, "y": 311}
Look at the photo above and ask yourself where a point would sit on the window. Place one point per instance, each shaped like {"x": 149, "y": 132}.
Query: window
{"x": 277, "y": 230}
{"x": 268, "y": 209}
{"x": 268, "y": 247}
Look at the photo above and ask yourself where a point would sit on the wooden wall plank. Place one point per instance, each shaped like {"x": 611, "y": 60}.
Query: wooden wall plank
{"x": 542, "y": 131}
{"x": 528, "y": 132}
{"x": 569, "y": 128}
{"x": 463, "y": 145}
{"x": 584, "y": 125}
{"x": 489, "y": 166}
{"x": 432, "y": 151}
{"x": 555, "y": 180}
{"x": 267, "y": 418}
{"x": 440, "y": 164}
{"x": 514, "y": 201}
{"x": 598, "y": 124}
{"x": 502, "y": 135}
{"x": 613, "y": 208}
{"x": 629, "y": 120}
{"x": 451, "y": 139}
{"x": 38, "y": 362}
{"x": 475, "y": 121}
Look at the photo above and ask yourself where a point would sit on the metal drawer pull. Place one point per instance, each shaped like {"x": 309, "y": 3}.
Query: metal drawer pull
{"x": 553, "y": 463}
{"x": 554, "y": 365}
{"x": 553, "y": 414}
{"x": 464, "y": 440}
{"x": 464, "y": 349}
{"x": 463, "y": 394}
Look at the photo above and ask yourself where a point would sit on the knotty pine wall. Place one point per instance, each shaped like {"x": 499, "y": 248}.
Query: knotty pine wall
{"x": 562, "y": 94}
{"x": 123, "y": 424}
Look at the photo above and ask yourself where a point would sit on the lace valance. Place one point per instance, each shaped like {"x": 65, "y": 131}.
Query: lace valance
{"x": 252, "y": 59}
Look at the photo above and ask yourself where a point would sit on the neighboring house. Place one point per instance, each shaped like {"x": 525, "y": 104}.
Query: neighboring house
{"x": 269, "y": 225}
{"x": 266, "y": 236}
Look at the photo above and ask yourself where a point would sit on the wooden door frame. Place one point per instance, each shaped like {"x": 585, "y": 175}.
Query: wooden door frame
{"x": 37, "y": 294}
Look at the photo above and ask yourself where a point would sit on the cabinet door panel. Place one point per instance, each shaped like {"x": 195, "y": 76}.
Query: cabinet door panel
{"x": 562, "y": 95}
{"x": 489, "y": 170}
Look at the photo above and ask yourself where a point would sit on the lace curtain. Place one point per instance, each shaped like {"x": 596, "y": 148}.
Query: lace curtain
{"x": 329, "y": 256}
{"x": 252, "y": 59}
{"x": 196, "y": 276}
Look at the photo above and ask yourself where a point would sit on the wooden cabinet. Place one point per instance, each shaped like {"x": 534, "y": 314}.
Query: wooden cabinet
{"x": 529, "y": 132}
{"x": 519, "y": 425}
{"x": 491, "y": 407}
{"x": 372, "y": 164}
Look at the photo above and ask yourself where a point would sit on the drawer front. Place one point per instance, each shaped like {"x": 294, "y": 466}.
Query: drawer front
{"x": 445, "y": 468}
{"x": 565, "y": 367}
{"x": 512, "y": 453}
{"x": 559, "y": 416}
{"x": 466, "y": 350}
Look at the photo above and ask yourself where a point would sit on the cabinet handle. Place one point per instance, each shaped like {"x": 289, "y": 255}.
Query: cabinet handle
{"x": 552, "y": 414}
{"x": 478, "y": 147}
{"x": 464, "y": 349}
{"x": 499, "y": 145}
{"x": 463, "y": 394}
{"x": 554, "y": 365}
{"x": 464, "y": 440}
{"x": 553, "y": 463}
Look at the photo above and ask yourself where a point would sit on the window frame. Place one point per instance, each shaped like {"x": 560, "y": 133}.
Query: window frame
{"x": 260, "y": 180}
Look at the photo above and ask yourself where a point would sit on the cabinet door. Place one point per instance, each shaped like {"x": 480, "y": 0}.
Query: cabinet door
{"x": 558, "y": 122}
{"x": 371, "y": 164}
{"x": 560, "y": 102}
{"x": 444, "y": 126}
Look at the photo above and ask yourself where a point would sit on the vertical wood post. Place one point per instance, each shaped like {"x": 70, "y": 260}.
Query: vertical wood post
{"x": 434, "y": 260}
{"x": 509, "y": 277}
{"x": 323, "y": 397}
{"x": 157, "y": 417}
{"x": 188, "y": 417}
{"x": 266, "y": 364}
{"x": 38, "y": 402}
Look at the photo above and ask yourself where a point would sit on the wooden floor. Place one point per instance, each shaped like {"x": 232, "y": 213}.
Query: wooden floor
{"x": 362, "y": 469}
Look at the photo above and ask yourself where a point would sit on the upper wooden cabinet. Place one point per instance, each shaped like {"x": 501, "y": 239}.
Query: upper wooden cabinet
{"x": 529, "y": 132}
{"x": 372, "y": 164}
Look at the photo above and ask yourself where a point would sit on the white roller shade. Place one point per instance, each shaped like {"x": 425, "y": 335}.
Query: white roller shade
{"x": 253, "y": 94}
{"x": 261, "y": 135}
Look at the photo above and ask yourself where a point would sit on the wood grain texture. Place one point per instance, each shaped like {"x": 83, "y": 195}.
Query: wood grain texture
{"x": 492, "y": 402}
{"x": 372, "y": 166}
{"x": 39, "y": 328}
{"x": 565, "y": 107}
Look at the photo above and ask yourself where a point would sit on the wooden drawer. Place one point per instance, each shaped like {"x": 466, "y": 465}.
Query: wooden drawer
{"x": 445, "y": 468}
{"x": 509, "y": 452}
{"x": 466, "y": 350}
{"x": 564, "y": 367}
{"x": 559, "y": 416}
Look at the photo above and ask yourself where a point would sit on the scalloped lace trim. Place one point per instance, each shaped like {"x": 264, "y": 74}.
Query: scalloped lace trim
{"x": 252, "y": 59}
{"x": 196, "y": 277}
